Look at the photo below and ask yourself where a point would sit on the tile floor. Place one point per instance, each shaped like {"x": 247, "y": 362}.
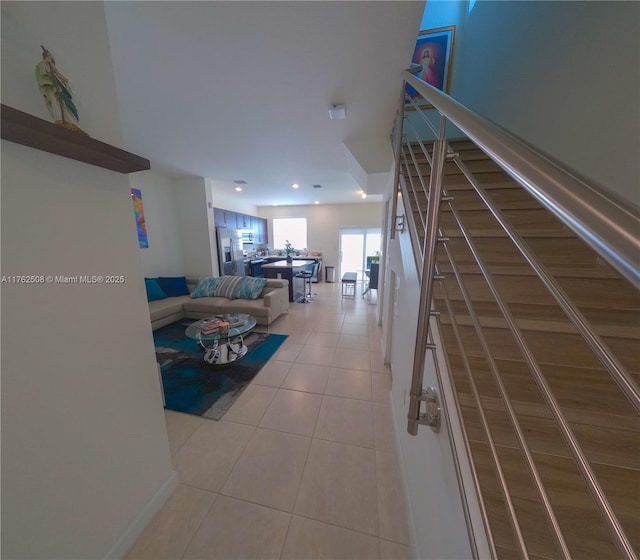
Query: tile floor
{"x": 303, "y": 465}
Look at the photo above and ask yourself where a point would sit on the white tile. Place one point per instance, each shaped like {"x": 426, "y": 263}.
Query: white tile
{"x": 273, "y": 373}
{"x": 323, "y": 339}
{"x": 355, "y": 329}
{"x": 180, "y": 428}
{"x": 316, "y": 355}
{"x": 346, "y": 421}
{"x": 309, "y": 539}
{"x": 269, "y": 470}
{"x": 339, "y": 487}
{"x": 307, "y": 377}
{"x": 380, "y": 387}
{"x": 251, "y": 405}
{"x": 377, "y": 362}
{"x": 288, "y": 352}
{"x": 391, "y": 506}
{"x": 320, "y": 325}
{"x": 299, "y": 337}
{"x": 173, "y": 527}
{"x": 354, "y": 342}
{"x": 206, "y": 460}
{"x": 383, "y": 428}
{"x": 394, "y": 551}
{"x": 352, "y": 359}
{"x": 292, "y": 411}
{"x": 349, "y": 383}
{"x": 236, "y": 529}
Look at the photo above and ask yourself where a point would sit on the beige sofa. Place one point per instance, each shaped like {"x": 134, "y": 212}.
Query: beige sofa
{"x": 273, "y": 302}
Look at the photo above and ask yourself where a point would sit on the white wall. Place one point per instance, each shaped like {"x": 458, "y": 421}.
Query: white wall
{"x": 224, "y": 196}
{"x": 436, "y": 517}
{"x": 197, "y": 230}
{"x": 163, "y": 257}
{"x": 85, "y": 457}
{"x": 324, "y": 222}
{"x": 564, "y": 76}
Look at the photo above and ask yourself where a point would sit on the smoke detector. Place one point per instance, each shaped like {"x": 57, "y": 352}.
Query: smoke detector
{"x": 337, "y": 112}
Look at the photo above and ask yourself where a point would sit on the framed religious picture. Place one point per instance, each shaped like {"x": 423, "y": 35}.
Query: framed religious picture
{"x": 434, "y": 52}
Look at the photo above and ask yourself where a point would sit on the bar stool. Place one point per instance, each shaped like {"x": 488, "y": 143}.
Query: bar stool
{"x": 307, "y": 275}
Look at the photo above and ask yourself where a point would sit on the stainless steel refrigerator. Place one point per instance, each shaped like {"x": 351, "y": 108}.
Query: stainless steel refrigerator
{"x": 230, "y": 256}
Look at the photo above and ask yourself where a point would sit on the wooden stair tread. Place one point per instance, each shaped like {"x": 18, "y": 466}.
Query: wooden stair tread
{"x": 605, "y": 446}
{"x": 549, "y": 348}
{"x": 579, "y": 391}
{"x": 549, "y": 319}
{"x": 578, "y": 516}
{"x": 558, "y": 271}
{"x": 592, "y": 293}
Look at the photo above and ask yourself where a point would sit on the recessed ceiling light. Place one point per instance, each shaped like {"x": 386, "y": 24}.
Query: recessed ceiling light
{"x": 317, "y": 202}
{"x": 364, "y": 195}
{"x": 295, "y": 186}
{"x": 238, "y": 189}
{"x": 275, "y": 204}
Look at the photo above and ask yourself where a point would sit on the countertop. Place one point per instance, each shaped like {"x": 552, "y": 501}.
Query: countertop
{"x": 284, "y": 264}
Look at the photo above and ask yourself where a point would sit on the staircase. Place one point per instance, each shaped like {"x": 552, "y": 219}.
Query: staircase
{"x": 505, "y": 412}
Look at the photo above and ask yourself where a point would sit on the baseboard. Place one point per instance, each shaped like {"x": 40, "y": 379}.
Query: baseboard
{"x": 135, "y": 528}
{"x": 413, "y": 537}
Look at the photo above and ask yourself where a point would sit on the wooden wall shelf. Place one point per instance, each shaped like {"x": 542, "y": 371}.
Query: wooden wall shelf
{"x": 37, "y": 133}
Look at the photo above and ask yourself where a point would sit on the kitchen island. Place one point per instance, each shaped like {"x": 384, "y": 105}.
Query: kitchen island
{"x": 287, "y": 271}
{"x": 310, "y": 259}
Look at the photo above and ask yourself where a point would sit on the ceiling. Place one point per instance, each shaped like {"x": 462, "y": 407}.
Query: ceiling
{"x": 241, "y": 91}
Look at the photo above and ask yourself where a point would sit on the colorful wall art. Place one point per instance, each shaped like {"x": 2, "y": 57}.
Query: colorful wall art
{"x": 138, "y": 212}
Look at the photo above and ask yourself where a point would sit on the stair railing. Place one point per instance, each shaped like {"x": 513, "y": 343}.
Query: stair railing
{"x": 610, "y": 229}
{"x": 603, "y": 224}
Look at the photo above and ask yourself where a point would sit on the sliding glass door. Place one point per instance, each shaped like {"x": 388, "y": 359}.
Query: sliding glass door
{"x": 356, "y": 244}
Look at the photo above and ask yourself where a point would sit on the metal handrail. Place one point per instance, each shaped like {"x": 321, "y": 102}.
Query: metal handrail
{"x": 427, "y": 275}
{"x": 611, "y": 230}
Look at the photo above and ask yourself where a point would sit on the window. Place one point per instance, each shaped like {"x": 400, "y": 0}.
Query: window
{"x": 292, "y": 229}
{"x": 356, "y": 244}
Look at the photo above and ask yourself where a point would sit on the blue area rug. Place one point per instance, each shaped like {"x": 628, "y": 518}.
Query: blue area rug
{"x": 193, "y": 386}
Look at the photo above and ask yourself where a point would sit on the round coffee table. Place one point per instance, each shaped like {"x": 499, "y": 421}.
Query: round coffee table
{"x": 223, "y": 348}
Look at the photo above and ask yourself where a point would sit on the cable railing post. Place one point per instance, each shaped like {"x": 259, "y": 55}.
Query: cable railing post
{"x": 396, "y": 177}
{"x": 426, "y": 278}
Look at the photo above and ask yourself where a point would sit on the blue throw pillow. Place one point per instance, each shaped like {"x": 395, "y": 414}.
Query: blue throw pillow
{"x": 205, "y": 287}
{"x": 154, "y": 291}
{"x": 174, "y": 286}
{"x": 249, "y": 288}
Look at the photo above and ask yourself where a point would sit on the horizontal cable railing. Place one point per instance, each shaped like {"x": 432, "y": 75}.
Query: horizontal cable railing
{"x": 606, "y": 227}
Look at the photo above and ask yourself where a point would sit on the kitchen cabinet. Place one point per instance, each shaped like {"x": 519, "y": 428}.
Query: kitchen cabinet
{"x": 235, "y": 220}
{"x": 259, "y": 227}
{"x": 219, "y": 217}
{"x": 243, "y": 221}
{"x": 232, "y": 219}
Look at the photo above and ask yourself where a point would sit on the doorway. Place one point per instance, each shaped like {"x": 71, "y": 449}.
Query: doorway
{"x": 356, "y": 244}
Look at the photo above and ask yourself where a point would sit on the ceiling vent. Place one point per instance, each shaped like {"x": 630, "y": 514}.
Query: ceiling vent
{"x": 317, "y": 186}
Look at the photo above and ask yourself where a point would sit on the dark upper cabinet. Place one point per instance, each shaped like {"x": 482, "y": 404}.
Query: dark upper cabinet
{"x": 227, "y": 218}
{"x": 243, "y": 221}
{"x": 260, "y": 230}
{"x": 231, "y": 219}
{"x": 219, "y": 217}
